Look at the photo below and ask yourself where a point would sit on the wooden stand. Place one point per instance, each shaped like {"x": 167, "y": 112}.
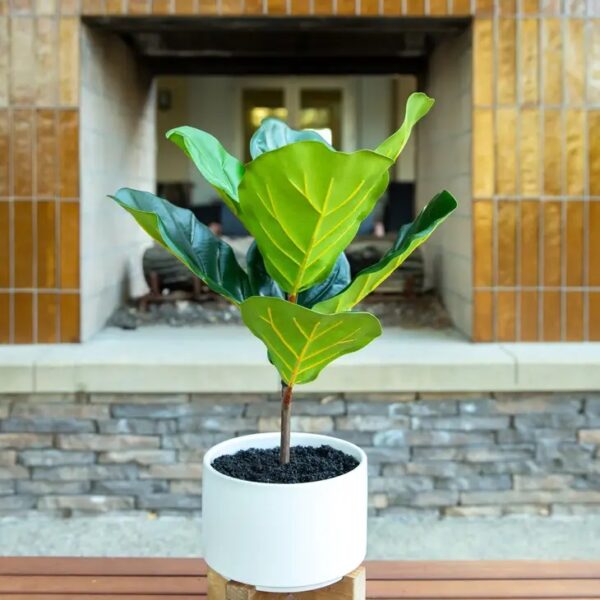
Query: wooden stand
{"x": 350, "y": 587}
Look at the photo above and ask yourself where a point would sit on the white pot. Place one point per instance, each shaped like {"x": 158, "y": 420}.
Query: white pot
{"x": 284, "y": 537}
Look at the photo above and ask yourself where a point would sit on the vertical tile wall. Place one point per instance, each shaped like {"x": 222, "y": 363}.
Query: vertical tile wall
{"x": 535, "y": 150}
{"x": 39, "y": 174}
{"x": 536, "y": 170}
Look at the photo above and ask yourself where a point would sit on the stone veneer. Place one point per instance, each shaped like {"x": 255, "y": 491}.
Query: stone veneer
{"x": 430, "y": 454}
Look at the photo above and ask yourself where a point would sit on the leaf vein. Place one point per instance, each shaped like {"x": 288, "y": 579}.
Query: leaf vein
{"x": 337, "y": 239}
{"x": 348, "y": 199}
{"x": 337, "y": 324}
{"x": 280, "y": 221}
{"x": 311, "y": 244}
{"x": 304, "y": 194}
{"x": 309, "y": 340}
{"x": 346, "y": 340}
{"x": 300, "y": 328}
{"x": 277, "y": 245}
{"x": 278, "y": 333}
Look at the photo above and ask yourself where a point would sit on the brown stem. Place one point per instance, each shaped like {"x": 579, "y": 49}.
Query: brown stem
{"x": 286, "y": 412}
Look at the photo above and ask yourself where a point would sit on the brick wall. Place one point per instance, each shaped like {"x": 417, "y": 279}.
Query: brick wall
{"x": 432, "y": 454}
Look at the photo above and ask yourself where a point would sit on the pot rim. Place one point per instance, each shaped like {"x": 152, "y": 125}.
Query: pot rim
{"x": 213, "y": 453}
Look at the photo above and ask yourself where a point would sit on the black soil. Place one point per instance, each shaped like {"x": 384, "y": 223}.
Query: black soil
{"x": 307, "y": 463}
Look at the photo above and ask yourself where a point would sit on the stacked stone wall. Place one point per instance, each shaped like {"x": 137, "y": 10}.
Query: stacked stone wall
{"x": 429, "y": 454}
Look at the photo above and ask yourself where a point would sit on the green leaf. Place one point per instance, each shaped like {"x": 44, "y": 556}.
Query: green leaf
{"x": 303, "y": 204}
{"x": 223, "y": 171}
{"x": 410, "y": 237}
{"x": 338, "y": 279}
{"x": 274, "y": 133}
{"x": 417, "y": 106}
{"x": 194, "y": 244}
{"x": 263, "y": 284}
{"x": 302, "y": 342}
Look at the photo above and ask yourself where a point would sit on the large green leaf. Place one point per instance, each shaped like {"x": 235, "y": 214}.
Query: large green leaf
{"x": 274, "y": 133}
{"x": 410, "y": 237}
{"x": 263, "y": 284}
{"x": 417, "y": 106}
{"x": 304, "y": 203}
{"x": 223, "y": 171}
{"x": 194, "y": 244}
{"x": 302, "y": 342}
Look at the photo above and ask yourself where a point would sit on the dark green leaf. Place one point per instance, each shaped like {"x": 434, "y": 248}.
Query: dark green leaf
{"x": 263, "y": 285}
{"x": 273, "y": 134}
{"x": 336, "y": 281}
{"x": 261, "y": 282}
{"x": 194, "y": 244}
{"x": 409, "y": 238}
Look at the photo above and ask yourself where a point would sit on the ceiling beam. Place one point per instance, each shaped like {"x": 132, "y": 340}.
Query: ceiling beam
{"x": 155, "y": 23}
{"x": 355, "y": 65}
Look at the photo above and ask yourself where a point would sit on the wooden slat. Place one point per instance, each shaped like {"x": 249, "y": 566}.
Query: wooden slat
{"x": 489, "y": 569}
{"x": 375, "y": 569}
{"x": 480, "y": 588}
{"x": 179, "y": 597}
{"x": 100, "y": 584}
{"x": 104, "y": 597}
{"x": 26, "y": 565}
{"x": 384, "y": 589}
{"x": 162, "y": 596}
{"x": 184, "y": 579}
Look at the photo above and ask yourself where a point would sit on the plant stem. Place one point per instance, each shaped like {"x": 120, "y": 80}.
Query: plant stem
{"x": 286, "y": 412}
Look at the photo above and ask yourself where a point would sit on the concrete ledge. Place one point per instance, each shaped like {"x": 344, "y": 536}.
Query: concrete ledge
{"x": 229, "y": 359}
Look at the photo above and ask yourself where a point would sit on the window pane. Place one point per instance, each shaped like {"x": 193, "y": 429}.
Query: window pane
{"x": 258, "y": 104}
{"x": 320, "y": 110}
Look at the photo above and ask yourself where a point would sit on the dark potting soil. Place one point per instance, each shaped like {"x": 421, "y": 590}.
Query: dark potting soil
{"x": 307, "y": 463}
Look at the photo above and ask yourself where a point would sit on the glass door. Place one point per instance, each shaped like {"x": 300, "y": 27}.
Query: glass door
{"x": 321, "y": 111}
{"x": 304, "y": 103}
{"x": 257, "y": 105}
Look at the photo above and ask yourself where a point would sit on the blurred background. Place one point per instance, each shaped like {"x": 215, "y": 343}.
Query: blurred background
{"x": 479, "y": 408}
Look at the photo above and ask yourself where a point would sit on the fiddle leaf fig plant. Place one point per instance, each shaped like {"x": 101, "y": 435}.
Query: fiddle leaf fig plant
{"x": 303, "y": 202}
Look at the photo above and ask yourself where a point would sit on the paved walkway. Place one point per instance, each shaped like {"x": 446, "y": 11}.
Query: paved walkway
{"x": 508, "y": 538}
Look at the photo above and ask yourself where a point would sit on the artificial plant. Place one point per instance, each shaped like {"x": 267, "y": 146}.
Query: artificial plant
{"x": 303, "y": 203}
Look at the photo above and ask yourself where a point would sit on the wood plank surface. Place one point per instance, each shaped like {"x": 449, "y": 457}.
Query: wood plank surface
{"x": 382, "y": 569}
{"x": 101, "y": 584}
{"x": 50, "y": 565}
{"x": 422, "y": 588}
{"x": 111, "y": 597}
{"x": 30, "y": 578}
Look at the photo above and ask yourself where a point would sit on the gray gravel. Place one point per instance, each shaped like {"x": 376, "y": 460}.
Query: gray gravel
{"x": 507, "y": 538}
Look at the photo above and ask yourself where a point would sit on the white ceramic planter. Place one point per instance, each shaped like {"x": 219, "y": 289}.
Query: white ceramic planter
{"x": 284, "y": 537}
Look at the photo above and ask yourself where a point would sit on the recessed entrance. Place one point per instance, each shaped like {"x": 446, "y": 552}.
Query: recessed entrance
{"x": 346, "y": 78}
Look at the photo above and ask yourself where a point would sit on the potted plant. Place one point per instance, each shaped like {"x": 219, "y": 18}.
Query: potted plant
{"x": 287, "y": 511}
